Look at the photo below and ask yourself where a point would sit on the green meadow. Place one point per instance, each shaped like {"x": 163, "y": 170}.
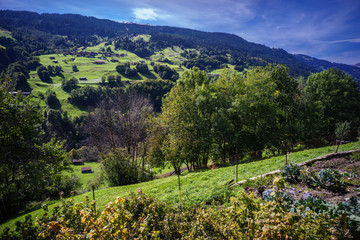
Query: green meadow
{"x": 94, "y": 72}
{"x": 196, "y": 187}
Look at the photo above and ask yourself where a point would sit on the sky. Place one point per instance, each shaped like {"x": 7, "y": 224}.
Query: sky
{"x": 325, "y": 29}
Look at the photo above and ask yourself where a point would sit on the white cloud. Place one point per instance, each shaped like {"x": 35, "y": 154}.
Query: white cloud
{"x": 145, "y": 14}
{"x": 353, "y": 40}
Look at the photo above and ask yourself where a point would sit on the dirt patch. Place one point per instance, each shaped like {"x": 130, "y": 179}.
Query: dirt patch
{"x": 342, "y": 165}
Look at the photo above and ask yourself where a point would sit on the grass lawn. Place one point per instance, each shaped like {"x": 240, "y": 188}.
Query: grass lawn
{"x": 196, "y": 186}
{"x": 85, "y": 177}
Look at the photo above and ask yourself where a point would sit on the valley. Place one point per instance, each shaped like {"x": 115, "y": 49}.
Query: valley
{"x": 134, "y": 102}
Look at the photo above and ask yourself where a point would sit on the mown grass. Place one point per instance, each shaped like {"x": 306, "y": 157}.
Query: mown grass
{"x": 196, "y": 186}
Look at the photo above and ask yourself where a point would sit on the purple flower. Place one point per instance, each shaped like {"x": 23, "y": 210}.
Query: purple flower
{"x": 306, "y": 196}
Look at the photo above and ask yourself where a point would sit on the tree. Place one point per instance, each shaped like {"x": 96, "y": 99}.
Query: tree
{"x": 337, "y": 94}
{"x": 51, "y": 100}
{"x": 75, "y": 68}
{"x": 183, "y": 130}
{"x": 119, "y": 169}
{"x": 119, "y": 122}
{"x": 341, "y": 131}
{"x": 69, "y": 85}
{"x": 28, "y": 168}
{"x": 44, "y": 74}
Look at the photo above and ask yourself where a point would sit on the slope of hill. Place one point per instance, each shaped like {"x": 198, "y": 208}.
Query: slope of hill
{"x": 84, "y": 27}
{"x": 196, "y": 187}
{"x": 321, "y": 65}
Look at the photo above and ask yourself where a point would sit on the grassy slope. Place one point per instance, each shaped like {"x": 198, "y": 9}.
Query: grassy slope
{"x": 84, "y": 178}
{"x": 198, "y": 185}
{"x": 93, "y": 72}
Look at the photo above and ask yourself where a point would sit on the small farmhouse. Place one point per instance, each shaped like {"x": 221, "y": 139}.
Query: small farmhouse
{"x": 77, "y": 162}
{"x": 98, "y": 62}
{"x": 86, "y": 170}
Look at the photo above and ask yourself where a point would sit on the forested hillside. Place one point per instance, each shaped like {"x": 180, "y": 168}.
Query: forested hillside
{"x": 83, "y": 29}
{"x": 321, "y": 65}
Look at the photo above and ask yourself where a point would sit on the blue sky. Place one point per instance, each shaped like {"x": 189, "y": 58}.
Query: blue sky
{"x": 325, "y": 29}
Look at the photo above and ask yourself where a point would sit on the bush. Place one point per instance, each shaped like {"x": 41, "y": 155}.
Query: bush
{"x": 331, "y": 179}
{"x": 309, "y": 178}
{"x": 87, "y": 154}
{"x": 291, "y": 173}
{"x": 142, "y": 217}
{"x": 119, "y": 169}
{"x": 51, "y": 100}
{"x": 355, "y": 156}
{"x": 75, "y": 68}
{"x": 65, "y": 185}
{"x": 68, "y": 85}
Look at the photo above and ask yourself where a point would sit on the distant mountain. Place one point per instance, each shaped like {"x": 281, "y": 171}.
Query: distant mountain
{"x": 321, "y": 65}
{"x": 77, "y": 26}
{"x": 216, "y": 48}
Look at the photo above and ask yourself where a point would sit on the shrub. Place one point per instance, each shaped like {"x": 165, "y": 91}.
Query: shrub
{"x": 309, "y": 178}
{"x": 142, "y": 217}
{"x": 331, "y": 179}
{"x": 119, "y": 169}
{"x": 68, "y": 85}
{"x": 51, "y": 100}
{"x": 355, "y": 156}
{"x": 291, "y": 173}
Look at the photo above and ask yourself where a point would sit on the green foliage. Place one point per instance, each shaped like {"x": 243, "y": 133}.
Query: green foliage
{"x": 142, "y": 68}
{"x": 141, "y": 216}
{"x": 69, "y": 85}
{"x": 111, "y": 81}
{"x": 119, "y": 169}
{"x": 165, "y": 72}
{"x": 219, "y": 195}
{"x": 28, "y": 167}
{"x": 309, "y": 177}
{"x": 87, "y": 154}
{"x": 195, "y": 186}
{"x": 326, "y": 178}
{"x": 155, "y": 89}
{"x": 342, "y": 130}
{"x": 291, "y": 172}
{"x": 331, "y": 179}
{"x": 43, "y": 74}
{"x": 51, "y": 100}
{"x": 348, "y": 212}
{"x": 86, "y": 96}
{"x": 75, "y": 68}
{"x": 355, "y": 156}
{"x": 338, "y": 95}
{"x": 126, "y": 70}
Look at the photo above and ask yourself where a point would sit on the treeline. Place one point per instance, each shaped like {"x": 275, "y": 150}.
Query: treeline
{"x": 242, "y": 115}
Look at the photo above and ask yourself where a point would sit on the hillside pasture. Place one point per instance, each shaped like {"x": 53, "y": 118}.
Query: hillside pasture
{"x": 198, "y": 186}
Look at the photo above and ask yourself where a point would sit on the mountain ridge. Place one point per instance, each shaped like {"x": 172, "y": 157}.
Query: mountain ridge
{"x": 320, "y": 65}
{"x": 86, "y": 26}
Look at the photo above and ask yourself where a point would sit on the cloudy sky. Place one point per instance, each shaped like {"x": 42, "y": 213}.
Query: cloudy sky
{"x": 325, "y": 29}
